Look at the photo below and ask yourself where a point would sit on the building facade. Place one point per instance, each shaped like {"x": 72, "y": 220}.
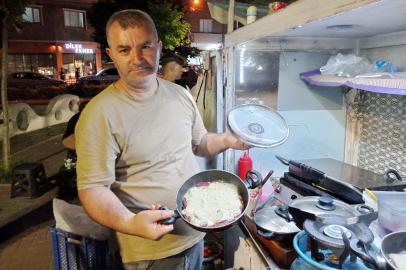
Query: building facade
{"x": 206, "y": 33}
{"x": 56, "y": 35}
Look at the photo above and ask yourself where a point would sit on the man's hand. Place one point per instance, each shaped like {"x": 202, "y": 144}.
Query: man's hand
{"x": 234, "y": 143}
{"x": 146, "y": 223}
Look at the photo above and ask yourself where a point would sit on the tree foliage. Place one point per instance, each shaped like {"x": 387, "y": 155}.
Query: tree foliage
{"x": 11, "y": 14}
{"x": 167, "y": 16}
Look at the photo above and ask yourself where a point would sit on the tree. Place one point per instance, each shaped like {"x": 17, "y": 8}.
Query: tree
{"x": 167, "y": 16}
{"x": 11, "y": 12}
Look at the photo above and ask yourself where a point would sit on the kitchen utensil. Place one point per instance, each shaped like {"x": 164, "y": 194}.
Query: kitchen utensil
{"x": 392, "y": 211}
{"x": 272, "y": 227}
{"x": 208, "y": 176}
{"x": 311, "y": 206}
{"x": 260, "y": 191}
{"x": 257, "y": 125}
{"x": 393, "y": 243}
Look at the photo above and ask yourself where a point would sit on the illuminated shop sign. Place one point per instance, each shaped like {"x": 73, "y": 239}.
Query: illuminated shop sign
{"x": 78, "y": 48}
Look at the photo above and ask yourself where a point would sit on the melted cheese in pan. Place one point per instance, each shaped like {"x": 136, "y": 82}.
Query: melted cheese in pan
{"x": 208, "y": 205}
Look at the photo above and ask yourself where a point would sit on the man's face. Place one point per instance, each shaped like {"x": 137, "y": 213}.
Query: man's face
{"x": 135, "y": 52}
{"x": 178, "y": 71}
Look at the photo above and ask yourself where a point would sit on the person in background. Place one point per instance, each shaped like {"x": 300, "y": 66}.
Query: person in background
{"x": 77, "y": 74}
{"x": 172, "y": 67}
{"x": 136, "y": 142}
{"x": 68, "y": 138}
{"x": 62, "y": 74}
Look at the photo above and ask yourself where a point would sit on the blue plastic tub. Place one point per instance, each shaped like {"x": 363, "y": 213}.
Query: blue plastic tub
{"x": 72, "y": 251}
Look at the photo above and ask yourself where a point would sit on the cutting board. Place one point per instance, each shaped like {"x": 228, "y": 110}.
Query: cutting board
{"x": 283, "y": 253}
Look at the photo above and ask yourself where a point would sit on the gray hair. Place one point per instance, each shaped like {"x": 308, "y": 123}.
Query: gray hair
{"x": 130, "y": 18}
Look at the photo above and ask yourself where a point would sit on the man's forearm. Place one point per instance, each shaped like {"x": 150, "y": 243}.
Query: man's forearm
{"x": 214, "y": 143}
{"x": 105, "y": 208}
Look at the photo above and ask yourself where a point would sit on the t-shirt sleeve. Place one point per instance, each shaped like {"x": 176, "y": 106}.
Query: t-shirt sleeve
{"x": 97, "y": 151}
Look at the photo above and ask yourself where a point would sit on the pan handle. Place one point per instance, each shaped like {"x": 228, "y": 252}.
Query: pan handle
{"x": 170, "y": 220}
{"x": 249, "y": 182}
{"x": 267, "y": 236}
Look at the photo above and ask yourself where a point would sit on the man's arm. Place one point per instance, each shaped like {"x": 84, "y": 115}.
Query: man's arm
{"x": 214, "y": 143}
{"x": 104, "y": 207}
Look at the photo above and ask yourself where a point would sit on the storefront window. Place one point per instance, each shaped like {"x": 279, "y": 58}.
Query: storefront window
{"x": 85, "y": 62}
{"x": 41, "y": 63}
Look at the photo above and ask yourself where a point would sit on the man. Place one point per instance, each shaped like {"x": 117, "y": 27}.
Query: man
{"x": 62, "y": 74}
{"x": 68, "y": 138}
{"x": 77, "y": 74}
{"x": 135, "y": 143}
{"x": 172, "y": 66}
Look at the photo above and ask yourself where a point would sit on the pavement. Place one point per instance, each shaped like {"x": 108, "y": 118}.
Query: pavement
{"x": 25, "y": 240}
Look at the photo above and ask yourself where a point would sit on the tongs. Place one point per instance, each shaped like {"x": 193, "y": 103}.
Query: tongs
{"x": 255, "y": 209}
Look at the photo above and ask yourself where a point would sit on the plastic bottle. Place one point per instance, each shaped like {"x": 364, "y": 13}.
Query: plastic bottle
{"x": 244, "y": 165}
{"x": 252, "y": 13}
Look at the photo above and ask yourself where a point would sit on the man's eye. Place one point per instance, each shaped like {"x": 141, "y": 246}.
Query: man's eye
{"x": 123, "y": 50}
{"x": 146, "y": 47}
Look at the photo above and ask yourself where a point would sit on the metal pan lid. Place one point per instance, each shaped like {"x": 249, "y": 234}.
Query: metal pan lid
{"x": 267, "y": 219}
{"x": 257, "y": 125}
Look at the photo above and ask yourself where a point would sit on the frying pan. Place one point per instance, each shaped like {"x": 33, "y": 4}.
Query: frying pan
{"x": 393, "y": 243}
{"x": 208, "y": 176}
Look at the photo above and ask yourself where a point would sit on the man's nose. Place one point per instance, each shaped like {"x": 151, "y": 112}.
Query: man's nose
{"x": 136, "y": 56}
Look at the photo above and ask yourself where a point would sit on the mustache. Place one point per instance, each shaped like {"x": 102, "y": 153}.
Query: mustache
{"x": 142, "y": 65}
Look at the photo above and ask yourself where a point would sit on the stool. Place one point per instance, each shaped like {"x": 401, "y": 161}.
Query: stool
{"x": 27, "y": 179}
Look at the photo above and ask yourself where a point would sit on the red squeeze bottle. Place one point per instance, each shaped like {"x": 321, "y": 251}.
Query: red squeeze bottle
{"x": 244, "y": 165}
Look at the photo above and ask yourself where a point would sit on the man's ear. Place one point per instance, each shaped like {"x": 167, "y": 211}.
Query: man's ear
{"x": 108, "y": 51}
{"x": 173, "y": 66}
{"x": 160, "y": 48}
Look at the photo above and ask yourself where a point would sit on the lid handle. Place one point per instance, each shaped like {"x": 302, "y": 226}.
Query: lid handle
{"x": 326, "y": 203}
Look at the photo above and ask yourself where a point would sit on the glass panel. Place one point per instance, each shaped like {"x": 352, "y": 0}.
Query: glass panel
{"x": 90, "y": 64}
{"x": 73, "y": 19}
{"x": 201, "y": 25}
{"x": 41, "y": 57}
{"x": 10, "y": 57}
{"x": 210, "y": 26}
{"x": 28, "y": 15}
{"x": 81, "y": 24}
{"x": 257, "y": 77}
{"x": 36, "y": 15}
{"x": 18, "y": 57}
{"x": 67, "y": 21}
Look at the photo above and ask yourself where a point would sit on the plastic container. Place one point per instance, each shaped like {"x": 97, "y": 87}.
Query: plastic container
{"x": 391, "y": 211}
{"x": 72, "y": 251}
{"x": 244, "y": 165}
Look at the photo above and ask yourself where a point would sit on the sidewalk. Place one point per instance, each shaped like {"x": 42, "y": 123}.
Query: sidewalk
{"x": 25, "y": 241}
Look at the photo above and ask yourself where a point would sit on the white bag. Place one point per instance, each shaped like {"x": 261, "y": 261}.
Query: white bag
{"x": 73, "y": 218}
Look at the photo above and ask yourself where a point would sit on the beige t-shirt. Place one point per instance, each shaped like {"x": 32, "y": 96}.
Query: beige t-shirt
{"x": 143, "y": 149}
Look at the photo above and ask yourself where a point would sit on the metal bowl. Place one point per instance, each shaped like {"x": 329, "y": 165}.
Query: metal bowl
{"x": 393, "y": 243}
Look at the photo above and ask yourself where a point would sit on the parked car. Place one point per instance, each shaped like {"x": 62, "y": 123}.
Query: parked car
{"x": 31, "y": 79}
{"x": 104, "y": 76}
